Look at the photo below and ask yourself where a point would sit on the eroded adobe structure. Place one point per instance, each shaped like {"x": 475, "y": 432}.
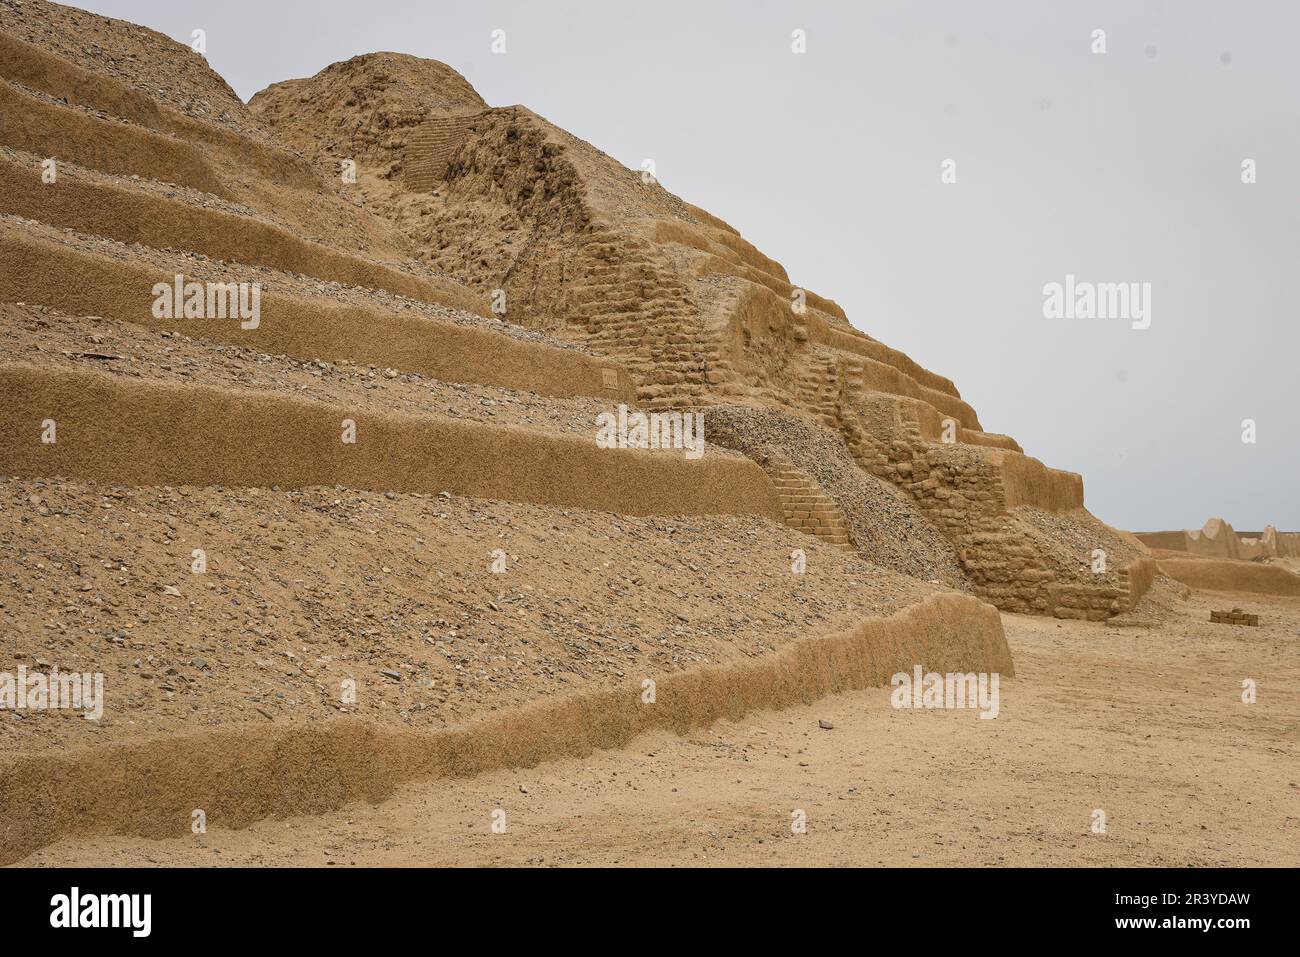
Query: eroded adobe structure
{"x": 597, "y": 254}
{"x": 1218, "y": 539}
{"x": 350, "y": 467}
{"x": 615, "y": 290}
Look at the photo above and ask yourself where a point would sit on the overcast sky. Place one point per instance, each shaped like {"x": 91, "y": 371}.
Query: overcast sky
{"x": 1117, "y": 167}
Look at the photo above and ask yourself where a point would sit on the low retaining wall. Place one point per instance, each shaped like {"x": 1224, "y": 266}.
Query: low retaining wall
{"x": 1225, "y": 575}
{"x": 1138, "y": 579}
{"x": 128, "y": 431}
{"x": 38, "y": 69}
{"x": 1099, "y": 602}
{"x": 67, "y": 133}
{"x": 245, "y": 773}
{"x": 40, "y": 270}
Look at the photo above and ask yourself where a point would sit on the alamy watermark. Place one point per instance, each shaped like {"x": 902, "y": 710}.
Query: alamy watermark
{"x": 653, "y": 430}
{"x": 130, "y": 911}
{"x": 922, "y": 689}
{"x": 56, "y": 691}
{"x": 209, "y": 300}
{"x": 1074, "y": 299}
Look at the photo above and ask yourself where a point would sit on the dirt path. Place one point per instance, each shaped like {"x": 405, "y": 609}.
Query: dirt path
{"x": 1145, "y": 723}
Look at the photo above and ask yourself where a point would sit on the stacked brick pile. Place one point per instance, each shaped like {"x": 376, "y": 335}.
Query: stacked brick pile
{"x": 1234, "y": 617}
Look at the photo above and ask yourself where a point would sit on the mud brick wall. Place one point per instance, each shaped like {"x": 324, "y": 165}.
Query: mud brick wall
{"x": 431, "y": 148}
{"x": 962, "y": 490}
{"x": 1234, "y": 617}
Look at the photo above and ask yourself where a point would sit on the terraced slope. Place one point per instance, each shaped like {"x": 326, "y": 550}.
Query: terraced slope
{"x": 600, "y": 255}
{"x": 320, "y": 516}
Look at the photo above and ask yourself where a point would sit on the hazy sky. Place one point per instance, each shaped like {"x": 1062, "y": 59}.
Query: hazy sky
{"x": 1117, "y": 167}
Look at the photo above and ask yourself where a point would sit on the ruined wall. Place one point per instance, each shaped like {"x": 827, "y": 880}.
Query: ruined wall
{"x": 969, "y": 491}
{"x": 128, "y": 431}
{"x": 429, "y": 150}
{"x": 1218, "y": 539}
{"x": 1233, "y": 576}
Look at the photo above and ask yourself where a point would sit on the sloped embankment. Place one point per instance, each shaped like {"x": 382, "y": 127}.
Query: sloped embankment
{"x": 91, "y": 276}
{"x": 240, "y": 775}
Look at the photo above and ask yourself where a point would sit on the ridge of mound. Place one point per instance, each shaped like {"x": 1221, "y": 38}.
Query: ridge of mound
{"x": 363, "y": 107}
{"x": 141, "y": 58}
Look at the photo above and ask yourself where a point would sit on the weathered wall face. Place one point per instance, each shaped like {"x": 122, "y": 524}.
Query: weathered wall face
{"x": 762, "y": 340}
{"x": 770, "y": 348}
{"x": 1099, "y": 602}
{"x": 136, "y": 432}
{"x": 1218, "y": 539}
{"x": 430, "y": 149}
{"x": 970, "y": 492}
{"x": 1026, "y": 481}
{"x": 1234, "y": 576}
{"x": 40, "y": 70}
{"x": 47, "y": 129}
{"x": 97, "y": 207}
{"x": 631, "y": 286}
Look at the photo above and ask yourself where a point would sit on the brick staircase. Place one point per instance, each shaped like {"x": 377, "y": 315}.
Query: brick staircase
{"x": 805, "y": 506}
{"x": 819, "y": 387}
{"x": 431, "y": 147}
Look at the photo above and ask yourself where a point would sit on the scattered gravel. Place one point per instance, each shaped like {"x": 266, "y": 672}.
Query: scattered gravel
{"x": 1066, "y": 541}
{"x": 304, "y": 588}
{"x": 50, "y": 339}
{"x": 887, "y": 527}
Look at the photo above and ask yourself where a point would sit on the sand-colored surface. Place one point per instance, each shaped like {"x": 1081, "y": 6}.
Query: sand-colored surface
{"x": 612, "y": 288}
{"x": 1232, "y": 576}
{"x": 1218, "y": 539}
{"x": 1143, "y": 721}
{"x": 239, "y": 775}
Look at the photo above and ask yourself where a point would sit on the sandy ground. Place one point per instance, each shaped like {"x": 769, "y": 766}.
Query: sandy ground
{"x": 1144, "y": 721}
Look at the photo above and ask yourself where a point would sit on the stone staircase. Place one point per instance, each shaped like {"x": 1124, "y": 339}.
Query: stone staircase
{"x": 805, "y": 506}
{"x": 819, "y": 387}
